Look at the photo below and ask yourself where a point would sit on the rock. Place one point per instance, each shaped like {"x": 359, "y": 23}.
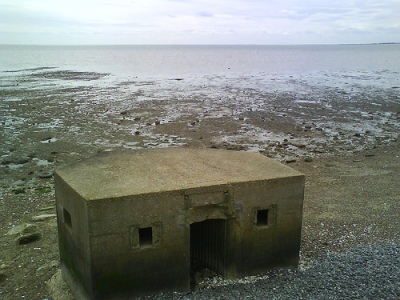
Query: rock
{"x": 43, "y": 189}
{"x": 27, "y": 239}
{"x": 23, "y": 161}
{"x": 298, "y": 145}
{"x": 22, "y": 229}
{"x": 290, "y": 159}
{"x": 50, "y": 265}
{"x": 308, "y": 159}
{"x": 6, "y": 162}
{"x": 57, "y": 287}
{"x": 43, "y": 217}
{"x": 47, "y": 208}
{"x": 46, "y": 175}
{"x": 4, "y": 266}
{"x": 2, "y": 276}
{"x": 19, "y": 191}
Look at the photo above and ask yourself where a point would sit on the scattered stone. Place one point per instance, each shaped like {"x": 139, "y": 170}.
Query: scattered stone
{"x": 27, "y": 239}
{"x": 6, "y": 162}
{"x": 319, "y": 150}
{"x": 23, "y": 161}
{"x": 19, "y": 191}
{"x": 43, "y": 189}
{"x": 22, "y": 229}
{"x": 369, "y": 154}
{"x": 43, "y": 217}
{"x": 298, "y": 145}
{"x": 2, "y": 276}
{"x": 290, "y": 159}
{"x": 157, "y": 122}
{"x": 57, "y": 287}
{"x": 50, "y": 265}
{"x": 308, "y": 159}
{"x": 137, "y": 132}
{"x": 47, "y": 208}
{"x": 46, "y": 175}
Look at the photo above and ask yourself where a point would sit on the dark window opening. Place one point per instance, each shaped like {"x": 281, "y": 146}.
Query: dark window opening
{"x": 67, "y": 218}
{"x": 262, "y": 217}
{"x": 146, "y": 237}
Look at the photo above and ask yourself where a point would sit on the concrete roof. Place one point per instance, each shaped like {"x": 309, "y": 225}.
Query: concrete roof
{"x": 124, "y": 173}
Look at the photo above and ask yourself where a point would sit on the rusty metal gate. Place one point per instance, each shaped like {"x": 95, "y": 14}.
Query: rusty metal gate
{"x": 208, "y": 245}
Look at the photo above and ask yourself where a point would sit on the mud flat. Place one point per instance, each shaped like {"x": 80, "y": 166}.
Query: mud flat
{"x": 345, "y": 138}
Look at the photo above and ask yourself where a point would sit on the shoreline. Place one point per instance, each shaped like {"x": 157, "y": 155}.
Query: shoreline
{"x": 345, "y": 141}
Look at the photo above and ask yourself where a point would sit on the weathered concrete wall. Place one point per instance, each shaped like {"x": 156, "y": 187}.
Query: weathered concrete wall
{"x": 118, "y": 264}
{"x": 278, "y": 242}
{"x": 126, "y": 234}
{"x": 73, "y": 236}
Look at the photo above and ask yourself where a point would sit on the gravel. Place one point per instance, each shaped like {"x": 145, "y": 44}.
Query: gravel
{"x": 364, "y": 272}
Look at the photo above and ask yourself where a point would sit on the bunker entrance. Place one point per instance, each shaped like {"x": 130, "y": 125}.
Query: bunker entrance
{"x": 207, "y": 250}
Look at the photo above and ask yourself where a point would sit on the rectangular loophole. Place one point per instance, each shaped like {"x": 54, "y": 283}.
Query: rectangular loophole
{"x": 67, "y": 218}
{"x": 262, "y": 217}
{"x": 265, "y": 217}
{"x": 146, "y": 237}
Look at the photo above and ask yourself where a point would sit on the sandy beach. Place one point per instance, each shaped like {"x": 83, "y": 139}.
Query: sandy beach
{"x": 348, "y": 148}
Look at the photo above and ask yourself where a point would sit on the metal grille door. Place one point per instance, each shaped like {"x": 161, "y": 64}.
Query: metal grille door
{"x": 207, "y": 245}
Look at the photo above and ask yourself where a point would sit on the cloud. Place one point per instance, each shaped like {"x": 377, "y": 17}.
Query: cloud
{"x": 206, "y": 14}
{"x": 199, "y": 21}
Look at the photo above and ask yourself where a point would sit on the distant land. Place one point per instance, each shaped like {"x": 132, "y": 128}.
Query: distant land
{"x": 386, "y": 43}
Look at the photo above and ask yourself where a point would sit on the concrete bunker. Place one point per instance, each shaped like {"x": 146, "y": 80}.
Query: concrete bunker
{"x": 140, "y": 222}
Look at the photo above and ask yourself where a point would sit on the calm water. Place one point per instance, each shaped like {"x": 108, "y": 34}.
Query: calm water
{"x": 182, "y": 61}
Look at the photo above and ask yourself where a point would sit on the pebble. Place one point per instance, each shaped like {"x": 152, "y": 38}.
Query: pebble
{"x": 363, "y": 272}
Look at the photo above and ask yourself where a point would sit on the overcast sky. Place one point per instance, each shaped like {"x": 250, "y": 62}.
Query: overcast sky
{"x": 199, "y": 21}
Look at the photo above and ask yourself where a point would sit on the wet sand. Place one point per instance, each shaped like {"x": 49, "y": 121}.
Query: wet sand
{"x": 345, "y": 139}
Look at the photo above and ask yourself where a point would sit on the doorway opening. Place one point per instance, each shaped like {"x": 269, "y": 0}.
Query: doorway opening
{"x": 207, "y": 250}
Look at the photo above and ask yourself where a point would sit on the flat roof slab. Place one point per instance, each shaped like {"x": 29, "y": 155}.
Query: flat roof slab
{"x": 124, "y": 173}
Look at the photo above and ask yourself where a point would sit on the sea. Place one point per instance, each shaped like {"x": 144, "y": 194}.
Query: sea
{"x": 376, "y": 64}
